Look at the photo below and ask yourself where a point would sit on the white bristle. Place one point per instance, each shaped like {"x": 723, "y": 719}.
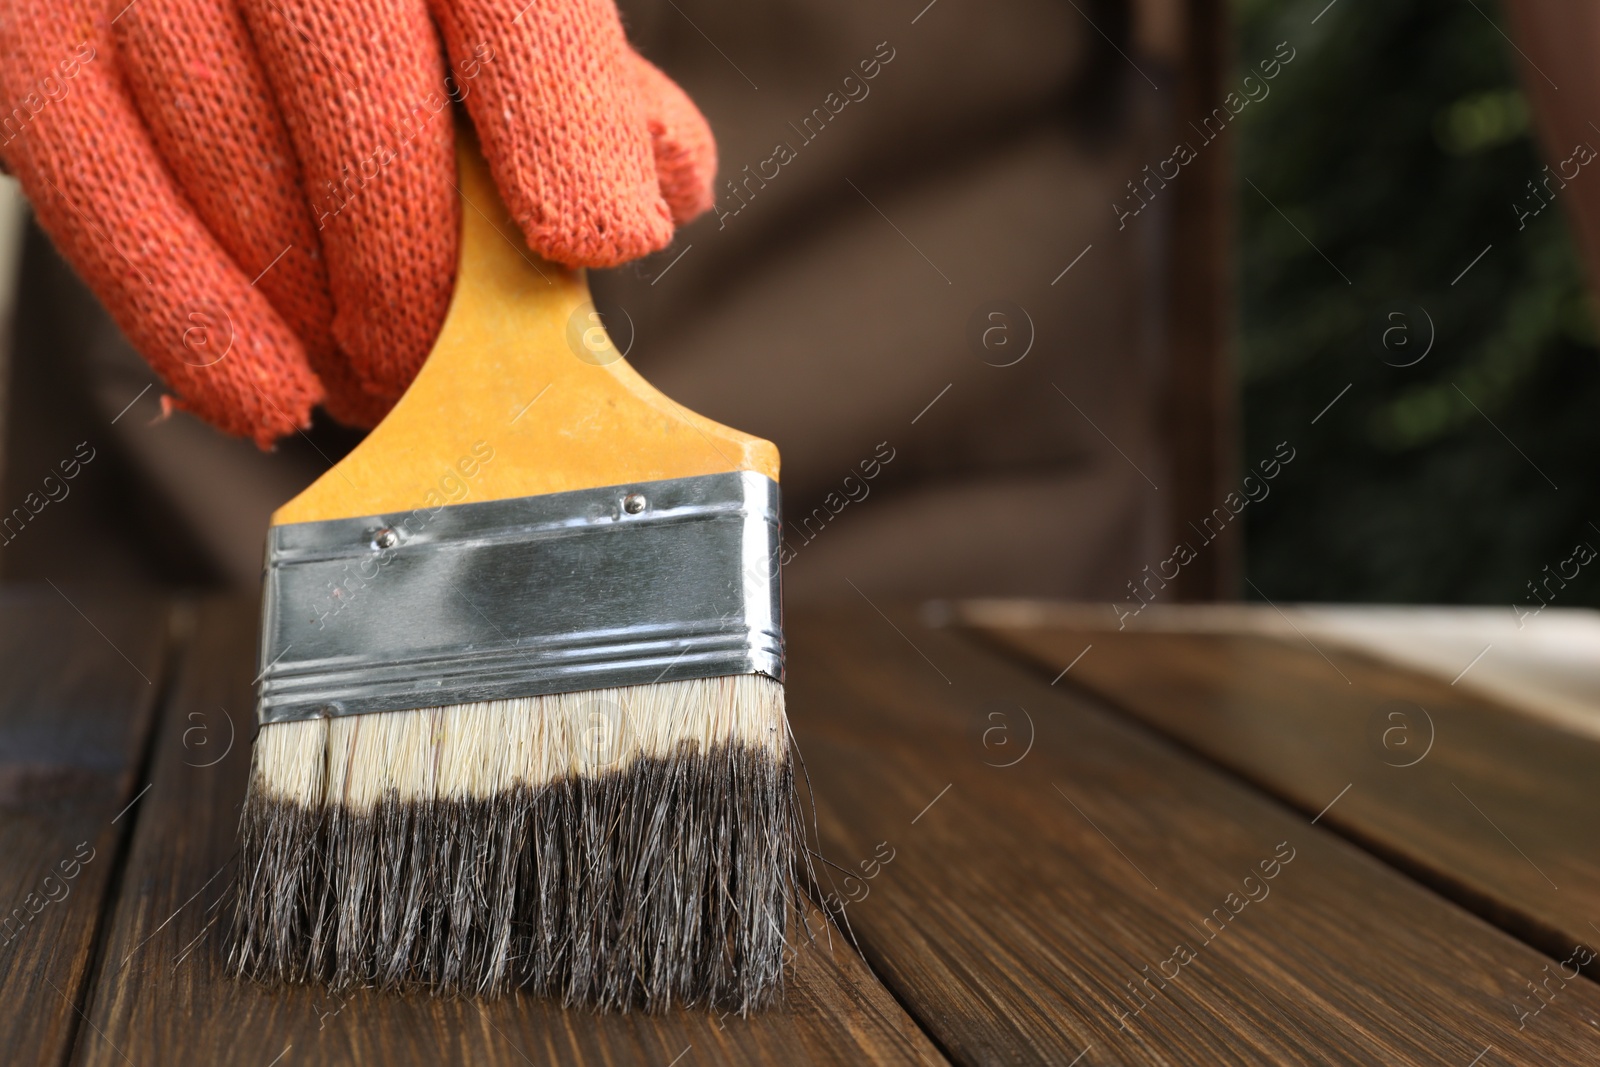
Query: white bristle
{"x": 292, "y": 755}
{"x": 480, "y": 750}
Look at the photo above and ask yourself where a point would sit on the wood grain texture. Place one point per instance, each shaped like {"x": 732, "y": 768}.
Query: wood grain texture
{"x": 1021, "y": 901}
{"x": 1498, "y": 810}
{"x": 160, "y": 997}
{"x": 74, "y": 719}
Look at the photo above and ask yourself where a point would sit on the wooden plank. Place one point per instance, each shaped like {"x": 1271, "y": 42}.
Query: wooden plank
{"x": 1495, "y": 809}
{"x": 1023, "y": 907}
{"x": 77, "y": 693}
{"x": 161, "y": 997}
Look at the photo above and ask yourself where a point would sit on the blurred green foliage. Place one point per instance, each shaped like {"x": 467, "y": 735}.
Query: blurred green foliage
{"x": 1397, "y": 143}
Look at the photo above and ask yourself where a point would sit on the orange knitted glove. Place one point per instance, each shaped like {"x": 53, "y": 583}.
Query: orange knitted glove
{"x": 263, "y": 194}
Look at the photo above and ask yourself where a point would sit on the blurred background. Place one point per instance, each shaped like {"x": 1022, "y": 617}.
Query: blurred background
{"x": 1400, "y": 150}
{"x": 1332, "y": 349}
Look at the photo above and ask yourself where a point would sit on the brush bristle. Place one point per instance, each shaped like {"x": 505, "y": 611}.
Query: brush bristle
{"x": 617, "y": 848}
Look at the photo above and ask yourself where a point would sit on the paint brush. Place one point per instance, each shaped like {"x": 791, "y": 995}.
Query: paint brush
{"x": 521, "y": 701}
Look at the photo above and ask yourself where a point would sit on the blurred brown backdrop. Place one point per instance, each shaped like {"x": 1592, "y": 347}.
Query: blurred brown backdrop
{"x": 844, "y": 308}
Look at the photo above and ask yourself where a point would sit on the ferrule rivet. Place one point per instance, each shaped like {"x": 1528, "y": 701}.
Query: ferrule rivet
{"x": 385, "y": 538}
{"x": 633, "y": 503}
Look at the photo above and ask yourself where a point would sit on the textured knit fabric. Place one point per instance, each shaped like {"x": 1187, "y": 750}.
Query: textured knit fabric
{"x": 360, "y": 84}
{"x": 585, "y": 178}
{"x": 214, "y": 122}
{"x": 263, "y": 191}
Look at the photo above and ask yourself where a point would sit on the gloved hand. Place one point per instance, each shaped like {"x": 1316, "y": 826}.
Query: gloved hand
{"x": 263, "y": 191}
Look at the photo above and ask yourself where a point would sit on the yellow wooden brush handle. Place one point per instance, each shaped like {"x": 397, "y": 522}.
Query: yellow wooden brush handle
{"x": 514, "y": 333}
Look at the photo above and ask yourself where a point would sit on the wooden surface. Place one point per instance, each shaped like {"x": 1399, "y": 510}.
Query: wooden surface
{"x": 1544, "y": 665}
{"x": 74, "y": 718}
{"x": 1011, "y": 856}
{"x": 1498, "y": 810}
{"x": 1020, "y": 904}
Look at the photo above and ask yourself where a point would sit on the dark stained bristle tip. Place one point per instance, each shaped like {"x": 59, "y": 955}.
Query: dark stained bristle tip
{"x": 667, "y": 884}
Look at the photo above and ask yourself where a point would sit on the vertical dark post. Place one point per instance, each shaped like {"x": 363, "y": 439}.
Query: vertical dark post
{"x": 1200, "y": 405}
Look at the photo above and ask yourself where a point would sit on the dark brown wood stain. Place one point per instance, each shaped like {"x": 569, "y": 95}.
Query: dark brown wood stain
{"x": 1021, "y": 904}
{"x": 1018, "y": 859}
{"x": 1497, "y": 809}
{"x": 74, "y": 718}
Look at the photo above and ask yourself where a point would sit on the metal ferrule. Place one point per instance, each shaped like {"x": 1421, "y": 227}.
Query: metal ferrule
{"x": 625, "y": 585}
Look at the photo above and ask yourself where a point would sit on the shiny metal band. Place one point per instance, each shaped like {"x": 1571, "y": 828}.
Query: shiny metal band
{"x": 623, "y": 585}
